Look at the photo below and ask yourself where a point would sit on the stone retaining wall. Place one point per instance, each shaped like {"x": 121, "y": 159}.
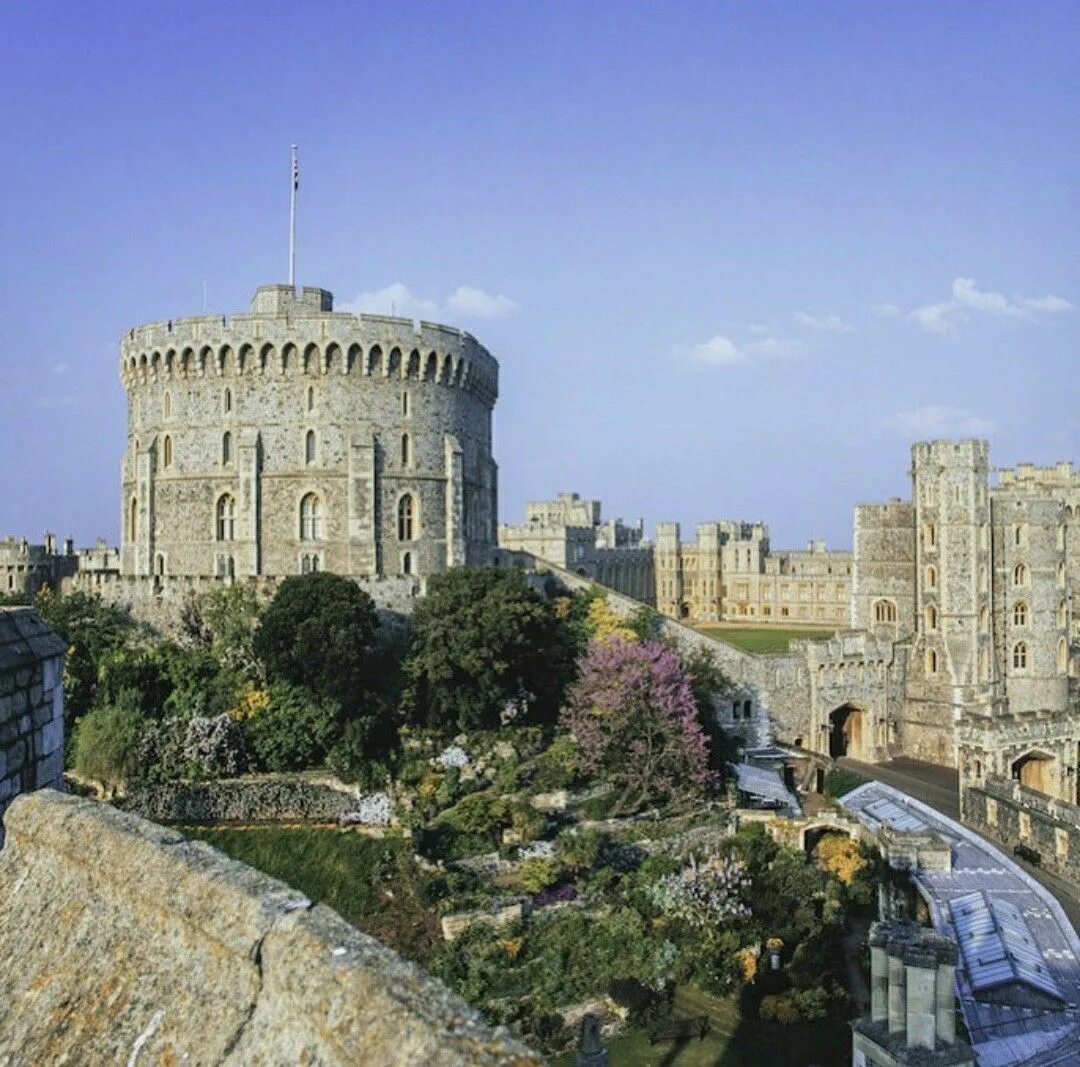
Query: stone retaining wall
{"x": 122, "y": 942}
{"x": 31, "y": 704}
{"x": 1012, "y": 814}
{"x": 269, "y": 798}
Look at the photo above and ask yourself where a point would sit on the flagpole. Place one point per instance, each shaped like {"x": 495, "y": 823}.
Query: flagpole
{"x": 294, "y": 185}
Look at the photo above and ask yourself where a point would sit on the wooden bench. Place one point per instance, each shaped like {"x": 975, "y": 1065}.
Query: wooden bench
{"x": 679, "y": 1030}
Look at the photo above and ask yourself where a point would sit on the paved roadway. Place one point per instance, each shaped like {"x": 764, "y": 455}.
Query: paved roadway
{"x": 938, "y": 788}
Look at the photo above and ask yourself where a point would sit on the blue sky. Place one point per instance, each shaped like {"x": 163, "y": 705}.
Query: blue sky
{"x": 732, "y": 257}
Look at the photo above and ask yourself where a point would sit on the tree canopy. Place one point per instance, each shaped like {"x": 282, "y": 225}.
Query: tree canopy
{"x": 316, "y": 633}
{"x": 485, "y": 646}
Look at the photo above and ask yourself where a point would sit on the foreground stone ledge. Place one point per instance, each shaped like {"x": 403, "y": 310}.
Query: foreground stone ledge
{"x": 121, "y": 941}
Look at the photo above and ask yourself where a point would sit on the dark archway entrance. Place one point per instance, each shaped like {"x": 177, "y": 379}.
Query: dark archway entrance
{"x": 846, "y": 731}
{"x": 1036, "y": 771}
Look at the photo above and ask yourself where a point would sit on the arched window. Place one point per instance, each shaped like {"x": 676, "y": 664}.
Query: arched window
{"x": 1020, "y": 613}
{"x": 1062, "y": 615}
{"x": 160, "y": 565}
{"x": 931, "y": 618}
{"x": 1061, "y": 576}
{"x": 931, "y": 577}
{"x": 226, "y": 518}
{"x": 406, "y": 518}
{"x": 311, "y": 518}
{"x": 1020, "y": 655}
{"x": 168, "y": 404}
{"x": 931, "y": 661}
{"x": 1018, "y": 536}
{"x": 309, "y": 447}
{"x": 406, "y": 563}
{"x": 167, "y": 450}
{"x": 1063, "y": 655}
{"x": 884, "y": 611}
{"x": 133, "y": 519}
{"x": 406, "y": 450}
{"x": 930, "y": 535}
{"x": 405, "y": 403}
{"x": 226, "y": 400}
{"x": 226, "y": 448}
{"x": 311, "y": 398}
{"x": 1020, "y": 574}
{"x": 984, "y": 620}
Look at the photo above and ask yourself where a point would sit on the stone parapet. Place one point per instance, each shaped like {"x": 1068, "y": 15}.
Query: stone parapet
{"x": 120, "y": 941}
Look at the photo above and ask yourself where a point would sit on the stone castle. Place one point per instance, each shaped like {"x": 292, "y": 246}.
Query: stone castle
{"x": 288, "y": 440}
{"x": 295, "y": 438}
{"x": 957, "y": 636}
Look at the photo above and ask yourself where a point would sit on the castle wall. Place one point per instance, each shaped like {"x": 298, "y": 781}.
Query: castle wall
{"x": 212, "y": 962}
{"x": 883, "y": 569}
{"x": 1006, "y": 812}
{"x": 31, "y": 705}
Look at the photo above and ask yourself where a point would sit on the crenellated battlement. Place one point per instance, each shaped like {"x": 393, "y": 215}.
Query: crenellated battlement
{"x": 294, "y": 335}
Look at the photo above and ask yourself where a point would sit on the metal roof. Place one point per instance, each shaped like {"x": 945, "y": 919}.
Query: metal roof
{"x": 997, "y": 945}
{"x": 765, "y": 784}
{"x": 892, "y": 814}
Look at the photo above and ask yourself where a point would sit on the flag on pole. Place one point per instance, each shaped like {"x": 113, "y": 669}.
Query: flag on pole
{"x": 295, "y": 169}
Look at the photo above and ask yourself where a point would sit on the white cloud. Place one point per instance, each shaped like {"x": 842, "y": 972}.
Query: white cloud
{"x": 476, "y": 304}
{"x": 722, "y": 351}
{"x": 885, "y": 311}
{"x": 775, "y": 346}
{"x": 967, "y": 299}
{"x": 826, "y": 323}
{"x": 393, "y": 299}
{"x": 719, "y": 351}
{"x": 934, "y": 421}
{"x": 464, "y": 302}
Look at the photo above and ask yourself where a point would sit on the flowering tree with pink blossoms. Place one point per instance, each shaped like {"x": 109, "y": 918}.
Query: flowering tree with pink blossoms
{"x": 633, "y": 716}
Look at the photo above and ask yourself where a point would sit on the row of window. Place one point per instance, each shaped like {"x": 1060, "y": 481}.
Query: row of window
{"x": 311, "y": 518}
{"x": 885, "y": 611}
{"x": 1020, "y": 655}
{"x": 310, "y": 449}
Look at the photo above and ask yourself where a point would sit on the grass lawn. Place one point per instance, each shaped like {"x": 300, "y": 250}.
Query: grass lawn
{"x": 764, "y": 639}
{"x": 373, "y": 884}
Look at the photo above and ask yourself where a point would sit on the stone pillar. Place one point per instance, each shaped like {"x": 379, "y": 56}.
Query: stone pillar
{"x": 897, "y": 1013}
{"x": 879, "y": 983}
{"x": 144, "y": 531}
{"x": 363, "y": 507}
{"x": 249, "y": 464}
{"x": 921, "y": 970}
{"x": 946, "y": 1004}
{"x": 455, "y": 503}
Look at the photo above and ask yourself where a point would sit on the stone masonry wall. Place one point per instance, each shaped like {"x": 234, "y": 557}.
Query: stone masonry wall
{"x": 31, "y": 704}
{"x": 122, "y": 942}
{"x": 253, "y": 798}
{"x": 1008, "y": 812}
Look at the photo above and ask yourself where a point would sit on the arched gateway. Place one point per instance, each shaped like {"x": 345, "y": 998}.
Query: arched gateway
{"x": 846, "y": 732}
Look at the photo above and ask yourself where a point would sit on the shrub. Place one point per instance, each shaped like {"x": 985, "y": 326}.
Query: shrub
{"x": 537, "y": 874}
{"x": 294, "y": 731}
{"x": 578, "y": 849}
{"x": 215, "y": 746}
{"x": 557, "y": 766}
{"x": 840, "y": 781}
{"x": 106, "y": 745}
{"x": 841, "y": 857}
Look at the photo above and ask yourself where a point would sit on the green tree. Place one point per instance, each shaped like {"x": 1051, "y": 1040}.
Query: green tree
{"x": 224, "y": 620}
{"x": 484, "y": 643}
{"x": 106, "y": 742}
{"x": 294, "y": 731}
{"x": 316, "y": 633}
{"x": 93, "y": 630}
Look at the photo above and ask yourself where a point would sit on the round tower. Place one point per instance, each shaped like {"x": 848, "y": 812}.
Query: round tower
{"x": 296, "y": 438}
